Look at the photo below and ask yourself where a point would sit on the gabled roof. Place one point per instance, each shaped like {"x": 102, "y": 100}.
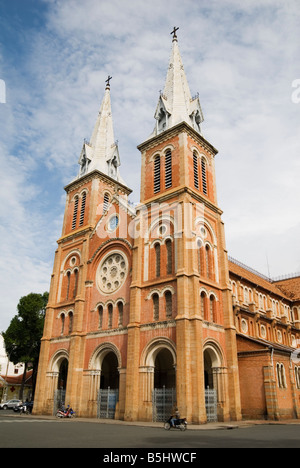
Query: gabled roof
{"x": 257, "y": 279}
{"x": 17, "y": 379}
{"x": 264, "y": 344}
{"x": 290, "y": 287}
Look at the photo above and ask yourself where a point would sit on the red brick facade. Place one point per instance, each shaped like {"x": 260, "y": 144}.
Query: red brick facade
{"x": 144, "y": 300}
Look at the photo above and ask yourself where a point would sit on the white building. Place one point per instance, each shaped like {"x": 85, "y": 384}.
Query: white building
{"x": 8, "y": 368}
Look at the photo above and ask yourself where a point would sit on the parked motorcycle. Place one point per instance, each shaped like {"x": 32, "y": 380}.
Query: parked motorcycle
{"x": 22, "y": 409}
{"x": 178, "y": 424}
{"x": 65, "y": 413}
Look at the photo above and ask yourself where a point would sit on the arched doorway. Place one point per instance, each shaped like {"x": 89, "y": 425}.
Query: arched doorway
{"x": 109, "y": 372}
{"x": 212, "y": 367}
{"x": 106, "y": 364}
{"x": 158, "y": 379}
{"x": 63, "y": 375}
{"x": 164, "y": 391}
{"x": 59, "y": 378}
{"x": 164, "y": 371}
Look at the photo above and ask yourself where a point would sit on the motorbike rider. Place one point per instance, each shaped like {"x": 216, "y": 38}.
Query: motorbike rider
{"x": 174, "y": 418}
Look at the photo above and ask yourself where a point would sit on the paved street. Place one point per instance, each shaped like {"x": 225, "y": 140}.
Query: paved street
{"x": 37, "y": 432}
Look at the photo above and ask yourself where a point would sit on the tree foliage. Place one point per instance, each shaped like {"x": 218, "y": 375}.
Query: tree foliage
{"x": 23, "y": 336}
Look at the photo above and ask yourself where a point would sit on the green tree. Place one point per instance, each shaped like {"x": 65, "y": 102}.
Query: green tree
{"x": 23, "y": 336}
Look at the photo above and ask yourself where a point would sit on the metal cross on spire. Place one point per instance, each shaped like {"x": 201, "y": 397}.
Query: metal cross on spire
{"x": 174, "y": 32}
{"x": 108, "y": 81}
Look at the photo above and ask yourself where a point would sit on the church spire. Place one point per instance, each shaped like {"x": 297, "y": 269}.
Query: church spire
{"x": 176, "y": 104}
{"x": 102, "y": 152}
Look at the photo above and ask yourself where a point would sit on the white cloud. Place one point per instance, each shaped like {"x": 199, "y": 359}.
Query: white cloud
{"x": 241, "y": 57}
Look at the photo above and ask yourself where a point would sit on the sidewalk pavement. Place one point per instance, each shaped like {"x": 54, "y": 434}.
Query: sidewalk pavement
{"x": 209, "y": 426}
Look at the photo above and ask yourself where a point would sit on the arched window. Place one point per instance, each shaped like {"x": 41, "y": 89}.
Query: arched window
{"x": 82, "y": 211}
{"x": 169, "y": 257}
{"x": 203, "y": 175}
{"x": 76, "y": 201}
{"x": 155, "y": 299}
{"x": 100, "y": 312}
{"x": 246, "y": 295}
{"x": 212, "y": 308}
{"x": 168, "y": 169}
{"x": 110, "y": 315}
{"x": 281, "y": 375}
{"x": 120, "y": 311}
{"x": 168, "y": 299}
{"x": 62, "y": 317}
{"x": 203, "y": 298}
{"x": 200, "y": 256}
{"x": 297, "y": 377}
{"x": 157, "y": 174}
{"x": 295, "y": 314}
{"x": 76, "y": 283}
{"x": 196, "y": 172}
{"x": 157, "y": 259}
{"x": 68, "y": 284}
{"x": 70, "y": 322}
{"x": 208, "y": 261}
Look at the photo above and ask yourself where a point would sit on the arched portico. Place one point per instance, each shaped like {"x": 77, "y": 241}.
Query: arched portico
{"x": 158, "y": 378}
{"x": 215, "y": 375}
{"x": 57, "y": 377}
{"x": 104, "y": 381}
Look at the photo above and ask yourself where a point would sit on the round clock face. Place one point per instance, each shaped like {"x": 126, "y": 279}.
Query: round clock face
{"x": 113, "y": 223}
{"x": 112, "y": 273}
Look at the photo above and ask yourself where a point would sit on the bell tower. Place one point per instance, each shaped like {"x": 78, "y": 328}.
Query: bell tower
{"x": 96, "y": 208}
{"x": 183, "y": 251}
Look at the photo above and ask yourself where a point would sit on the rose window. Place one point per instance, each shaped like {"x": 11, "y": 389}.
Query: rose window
{"x": 112, "y": 273}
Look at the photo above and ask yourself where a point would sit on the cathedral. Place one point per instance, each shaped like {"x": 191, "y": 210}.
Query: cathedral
{"x": 146, "y": 310}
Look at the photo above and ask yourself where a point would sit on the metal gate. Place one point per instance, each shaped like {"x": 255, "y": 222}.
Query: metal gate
{"x": 59, "y": 400}
{"x": 163, "y": 401}
{"x": 211, "y": 404}
{"x": 107, "y": 401}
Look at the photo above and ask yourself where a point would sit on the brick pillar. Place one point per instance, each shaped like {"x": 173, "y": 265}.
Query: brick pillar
{"x": 295, "y": 397}
{"x": 132, "y": 375}
{"x": 271, "y": 393}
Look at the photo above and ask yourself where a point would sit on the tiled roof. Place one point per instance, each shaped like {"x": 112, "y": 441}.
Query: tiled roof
{"x": 257, "y": 279}
{"x": 266, "y": 344}
{"x": 291, "y": 287}
{"x": 17, "y": 380}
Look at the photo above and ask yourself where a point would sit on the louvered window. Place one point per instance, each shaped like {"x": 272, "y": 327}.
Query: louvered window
{"x": 70, "y": 322}
{"x": 120, "y": 310}
{"x": 204, "y": 179}
{"x": 212, "y": 308}
{"x": 157, "y": 174}
{"x": 82, "y": 211}
{"x": 168, "y": 298}
{"x": 155, "y": 299}
{"x": 105, "y": 203}
{"x": 196, "y": 173}
{"x": 62, "y": 323}
{"x": 169, "y": 257}
{"x": 100, "y": 310}
{"x": 168, "y": 169}
{"x": 200, "y": 266}
{"x": 68, "y": 284}
{"x": 75, "y": 212}
{"x": 157, "y": 260}
{"x": 203, "y": 300}
{"x": 76, "y": 283}
{"x": 110, "y": 315}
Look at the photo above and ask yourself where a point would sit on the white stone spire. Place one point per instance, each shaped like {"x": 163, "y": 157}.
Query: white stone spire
{"x": 176, "y": 104}
{"x": 102, "y": 152}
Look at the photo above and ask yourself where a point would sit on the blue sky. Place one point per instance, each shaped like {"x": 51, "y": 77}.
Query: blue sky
{"x": 242, "y": 58}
